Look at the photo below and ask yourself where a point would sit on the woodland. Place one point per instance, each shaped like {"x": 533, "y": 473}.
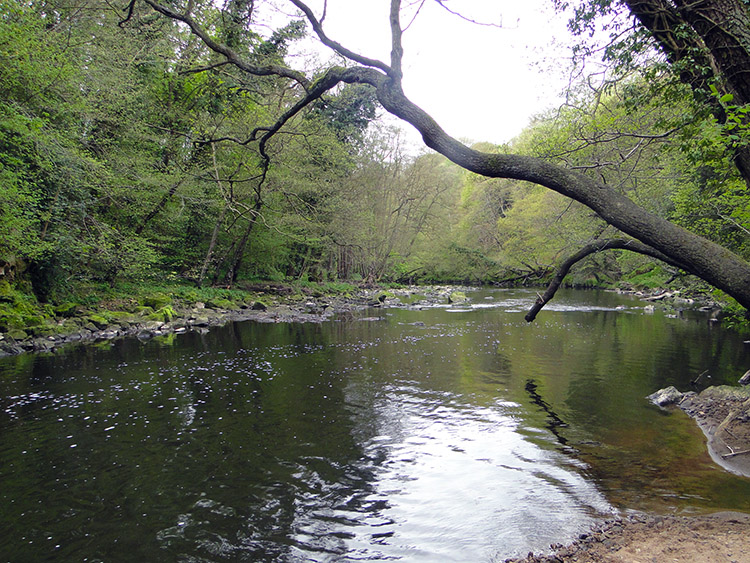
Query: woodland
{"x": 147, "y": 143}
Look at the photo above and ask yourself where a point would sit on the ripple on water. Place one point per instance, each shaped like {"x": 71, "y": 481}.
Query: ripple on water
{"x": 415, "y": 438}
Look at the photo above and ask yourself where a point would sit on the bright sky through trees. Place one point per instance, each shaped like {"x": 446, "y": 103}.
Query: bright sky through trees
{"x": 456, "y": 69}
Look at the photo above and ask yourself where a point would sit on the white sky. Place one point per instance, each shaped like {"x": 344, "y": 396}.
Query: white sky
{"x": 480, "y": 83}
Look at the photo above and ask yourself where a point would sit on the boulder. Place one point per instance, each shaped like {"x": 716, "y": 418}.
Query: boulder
{"x": 157, "y": 300}
{"x": 457, "y": 297}
{"x": 667, "y": 396}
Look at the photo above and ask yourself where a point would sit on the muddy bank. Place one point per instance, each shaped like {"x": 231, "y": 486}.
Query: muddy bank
{"x": 715, "y": 538}
{"x": 723, "y": 413}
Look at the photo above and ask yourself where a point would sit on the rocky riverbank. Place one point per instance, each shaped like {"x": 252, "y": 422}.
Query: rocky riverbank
{"x": 161, "y": 314}
{"x": 714, "y": 538}
{"x": 723, "y": 413}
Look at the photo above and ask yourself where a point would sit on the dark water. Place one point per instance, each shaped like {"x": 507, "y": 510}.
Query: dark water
{"x": 471, "y": 437}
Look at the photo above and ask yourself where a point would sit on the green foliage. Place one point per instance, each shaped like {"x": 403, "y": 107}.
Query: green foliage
{"x": 349, "y": 112}
{"x": 157, "y": 300}
{"x": 650, "y": 276}
{"x": 117, "y": 170}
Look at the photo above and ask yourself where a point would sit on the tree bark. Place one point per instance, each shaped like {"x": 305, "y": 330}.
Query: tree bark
{"x": 219, "y": 221}
{"x": 709, "y": 41}
{"x": 239, "y": 251}
{"x": 159, "y": 206}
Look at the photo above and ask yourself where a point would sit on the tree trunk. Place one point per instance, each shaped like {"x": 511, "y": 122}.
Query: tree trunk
{"x": 211, "y": 246}
{"x": 219, "y": 221}
{"x": 239, "y": 251}
{"x": 158, "y": 207}
{"x": 709, "y": 40}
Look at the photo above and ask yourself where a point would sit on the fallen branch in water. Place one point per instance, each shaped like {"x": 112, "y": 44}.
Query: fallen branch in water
{"x": 596, "y": 246}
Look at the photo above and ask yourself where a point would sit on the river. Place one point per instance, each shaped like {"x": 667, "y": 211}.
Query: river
{"x": 451, "y": 433}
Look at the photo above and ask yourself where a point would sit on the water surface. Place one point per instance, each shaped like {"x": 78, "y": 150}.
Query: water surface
{"x": 453, "y": 433}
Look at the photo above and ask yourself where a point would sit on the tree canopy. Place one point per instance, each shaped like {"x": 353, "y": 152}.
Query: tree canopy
{"x": 154, "y": 141}
{"x": 672, "y": 243}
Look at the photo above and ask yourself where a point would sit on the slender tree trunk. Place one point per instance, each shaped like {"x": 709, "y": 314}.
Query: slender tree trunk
{"x": 158, "y": 207}
{"x": 239, "y": 251}
{"x": 219, "y": 221}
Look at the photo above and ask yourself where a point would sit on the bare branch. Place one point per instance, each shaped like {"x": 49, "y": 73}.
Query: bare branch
{"x": 596, "y": 246}
{"x": 231, "y": 56}
{"x": 204, "y": 68}
{"x": 465, "y": 18}
{"x": 336, "y": 46}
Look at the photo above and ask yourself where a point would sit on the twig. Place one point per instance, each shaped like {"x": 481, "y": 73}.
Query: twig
{"x": 697, "y": 379}
{"x": 732, "y": 454}
{"x": 732, "y": 435}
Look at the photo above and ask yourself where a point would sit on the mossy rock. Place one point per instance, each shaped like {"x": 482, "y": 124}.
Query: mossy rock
{"x": 165, "y": 314}
{"x": 17, "y": 334}
{"x": 219, "y": 303}
{"x": 144, "y": 311}
{"x": 7, "y": 295}
{"x": 10, "y": 319}
{"x": 41, "y": 331}
{"x": 157, "y": 301}
{"x": 33, "y": 321}
{"x": 457, "y": 297}
{"x": 98, "y": 321}
{"x": 191, "y": 296}
{"x": 65, "y": 310}
{"x": 118, "y": 315}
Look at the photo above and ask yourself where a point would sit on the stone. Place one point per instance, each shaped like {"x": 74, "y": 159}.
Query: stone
{"x": 667, "y": 396}
{"x": 745, "y": 379}
{"x": 457, "y": 297}
{"x": 98, "y": 321}
{"x": 157, "y": 301}
{"x": 17, "y": 334}
{"x": 219, "y": 303}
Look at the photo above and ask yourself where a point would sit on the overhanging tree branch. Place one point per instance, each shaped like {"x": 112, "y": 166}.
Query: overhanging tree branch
{"x": 230, "y": 54}
{"x": 707, "y": 260}
{"x": 592, "y": 248}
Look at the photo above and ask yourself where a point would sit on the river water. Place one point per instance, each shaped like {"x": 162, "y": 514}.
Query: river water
{"x": 444, "y": 434}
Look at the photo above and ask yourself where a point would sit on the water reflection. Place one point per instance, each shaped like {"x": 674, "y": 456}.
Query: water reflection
{"x": 449, "y": 434}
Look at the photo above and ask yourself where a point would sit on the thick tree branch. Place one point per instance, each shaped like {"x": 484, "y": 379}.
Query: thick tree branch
{"x": 707, "y": 260}
{"x": 231, "y": 55}
{"x": 596, "y": 246}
